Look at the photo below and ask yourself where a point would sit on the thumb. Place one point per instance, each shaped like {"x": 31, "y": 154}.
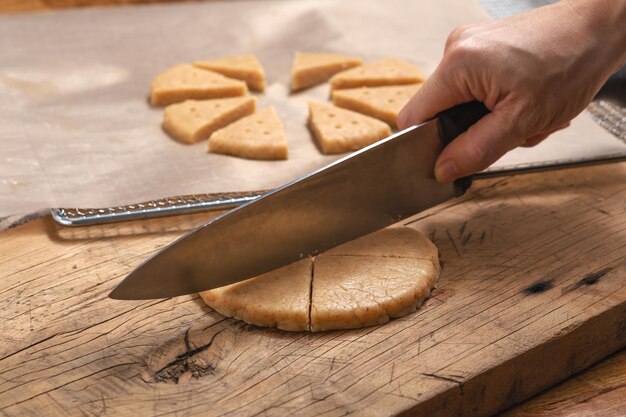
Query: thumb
{"x": 480, "y": 146}
{"x": 437, "y": 94}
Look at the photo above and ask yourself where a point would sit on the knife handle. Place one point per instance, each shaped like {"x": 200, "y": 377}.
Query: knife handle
{"x": 455, "y": 121}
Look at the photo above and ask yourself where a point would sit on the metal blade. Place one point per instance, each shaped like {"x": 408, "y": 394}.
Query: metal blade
{"x": 368, "y": 190}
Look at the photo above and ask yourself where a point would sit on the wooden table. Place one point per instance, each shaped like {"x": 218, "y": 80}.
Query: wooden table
{"x": 63, "y": 345}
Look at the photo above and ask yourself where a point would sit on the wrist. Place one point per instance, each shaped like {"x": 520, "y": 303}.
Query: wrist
{"x": 603, "y": 23}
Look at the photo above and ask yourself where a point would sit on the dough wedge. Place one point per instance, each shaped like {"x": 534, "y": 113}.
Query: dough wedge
{"x": 388, "y": 71}
{"x": 338, "y": 130}
{"x": 242, "y": 67}
{"x": 195, "y": 120}
{"x": 276, "y": 299}
{"x": 184, "y": 81}
{"x": 309, "y": 69}
{"x": 258, "y": 136}
{"x": 383, "y": 103}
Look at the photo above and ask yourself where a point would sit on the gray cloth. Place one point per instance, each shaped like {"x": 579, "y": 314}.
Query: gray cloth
{"x": 504, "y": 8}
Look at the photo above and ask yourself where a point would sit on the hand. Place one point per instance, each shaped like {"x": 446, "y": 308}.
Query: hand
{"x": 534, "y": 71}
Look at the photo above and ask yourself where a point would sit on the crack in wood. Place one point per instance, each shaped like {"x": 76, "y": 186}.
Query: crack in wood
{"x": 311, "y": 292}
{"x": 182, "y": 363}
{"x": 603, "y": 391}
{"x": 447, "y": 379}
{"x": 590, "y": 279}
{"x": 539, "y": 287}
{"x": 453, "y": 244}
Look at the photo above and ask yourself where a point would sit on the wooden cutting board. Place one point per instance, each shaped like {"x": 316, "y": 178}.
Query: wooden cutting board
{"x": 532, "y": 291}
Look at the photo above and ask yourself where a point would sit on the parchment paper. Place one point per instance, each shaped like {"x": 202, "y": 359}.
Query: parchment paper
{"x": 76, "y": 129}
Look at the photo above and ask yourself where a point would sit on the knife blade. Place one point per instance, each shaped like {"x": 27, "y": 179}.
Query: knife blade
{"x": 370, "y": 189}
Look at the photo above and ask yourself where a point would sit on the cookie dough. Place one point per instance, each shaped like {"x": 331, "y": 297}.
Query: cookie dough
{"x": 194, "y": 120}
{"x": 184, "y": 81}
{"x": 364, "y": 282}
{"x": 388, "y": 71}
{"x": 279, "y": 298}
{"x": 339, "y": 130}
{"x": 242, "y": 67}
{"x": 309, "y": 69}
{"x": 383, "y": 103}
{"x": 258, "y": 136}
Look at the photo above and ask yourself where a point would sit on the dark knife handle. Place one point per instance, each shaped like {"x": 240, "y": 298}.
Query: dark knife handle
{"x": 455, "y": 121}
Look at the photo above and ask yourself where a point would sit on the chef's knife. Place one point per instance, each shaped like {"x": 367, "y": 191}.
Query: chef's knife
{"x": 367, "y": 190}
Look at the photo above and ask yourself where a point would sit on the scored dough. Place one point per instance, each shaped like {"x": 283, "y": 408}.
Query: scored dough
{"x": 185, "y": 81}
{"x": 309, "y": 69}
{"x": 402, "y": 242}
{"x": 383, "y": 103}
{"x": 279, "y": 298}
{"x": 194, "y": 120}
{"x": 388, "y": 71}
{"x": 364, "y": 282}
{"x": 339, "y": 130}
{"x": 242, "y": 67}
{"x": 258, "y": 136}
{"x": 359, "y": 291}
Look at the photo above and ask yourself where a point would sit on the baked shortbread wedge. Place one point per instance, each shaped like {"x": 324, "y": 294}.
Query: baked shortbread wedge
{"x": 183, "y": 82}
{"x": 309, "y": 69}
{"x": 338, "y": 130}
{"x": 194, "y": 120}
{"x": 383, "y": 103}
{"x": 388, "y": 71}
{"x": 258, "y": 136}
{"x": 242, "y": 67}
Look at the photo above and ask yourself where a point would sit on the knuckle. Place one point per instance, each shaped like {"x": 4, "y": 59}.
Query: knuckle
{"x": 454, "y": 37}
{"x": 457, "y": 33}
{"x": 462, "y": 51}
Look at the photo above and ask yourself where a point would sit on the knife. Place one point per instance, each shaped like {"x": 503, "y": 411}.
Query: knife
{"x": 370, "y": 189}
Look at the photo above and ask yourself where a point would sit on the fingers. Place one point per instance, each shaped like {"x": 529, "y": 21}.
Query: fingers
{"x": 448, "y": 86}
{"x": 483, "y": 144}
{"x": 436, "y": 95}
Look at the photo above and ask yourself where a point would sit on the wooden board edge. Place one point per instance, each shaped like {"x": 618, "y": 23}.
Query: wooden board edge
{"x": 532, "y": 372}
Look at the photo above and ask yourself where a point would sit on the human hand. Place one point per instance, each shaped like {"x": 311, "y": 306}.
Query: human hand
{"x": 535, "y": 71}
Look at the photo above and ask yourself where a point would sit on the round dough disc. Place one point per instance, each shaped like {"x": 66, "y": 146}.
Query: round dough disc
{"x": 360, "y": 283}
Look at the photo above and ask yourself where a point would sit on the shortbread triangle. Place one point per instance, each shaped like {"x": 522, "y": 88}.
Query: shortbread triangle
{"x": 242, "y": 67}
{"x": 339, "y": 130}
{"x": 185, "y": 81}
{"x": 388, "y": 71}
{"x": 383, "y": 103}
{"x": 314, "y": 68}
{"x": 258, "y": 136}
{"x": 194, "y": 120}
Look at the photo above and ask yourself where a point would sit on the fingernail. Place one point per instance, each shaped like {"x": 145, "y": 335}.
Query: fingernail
{"x": 447, "y": 172}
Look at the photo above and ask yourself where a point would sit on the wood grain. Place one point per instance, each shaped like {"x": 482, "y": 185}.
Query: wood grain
{"x": 599, "y": 392}
{"x": 532, "y": 291}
